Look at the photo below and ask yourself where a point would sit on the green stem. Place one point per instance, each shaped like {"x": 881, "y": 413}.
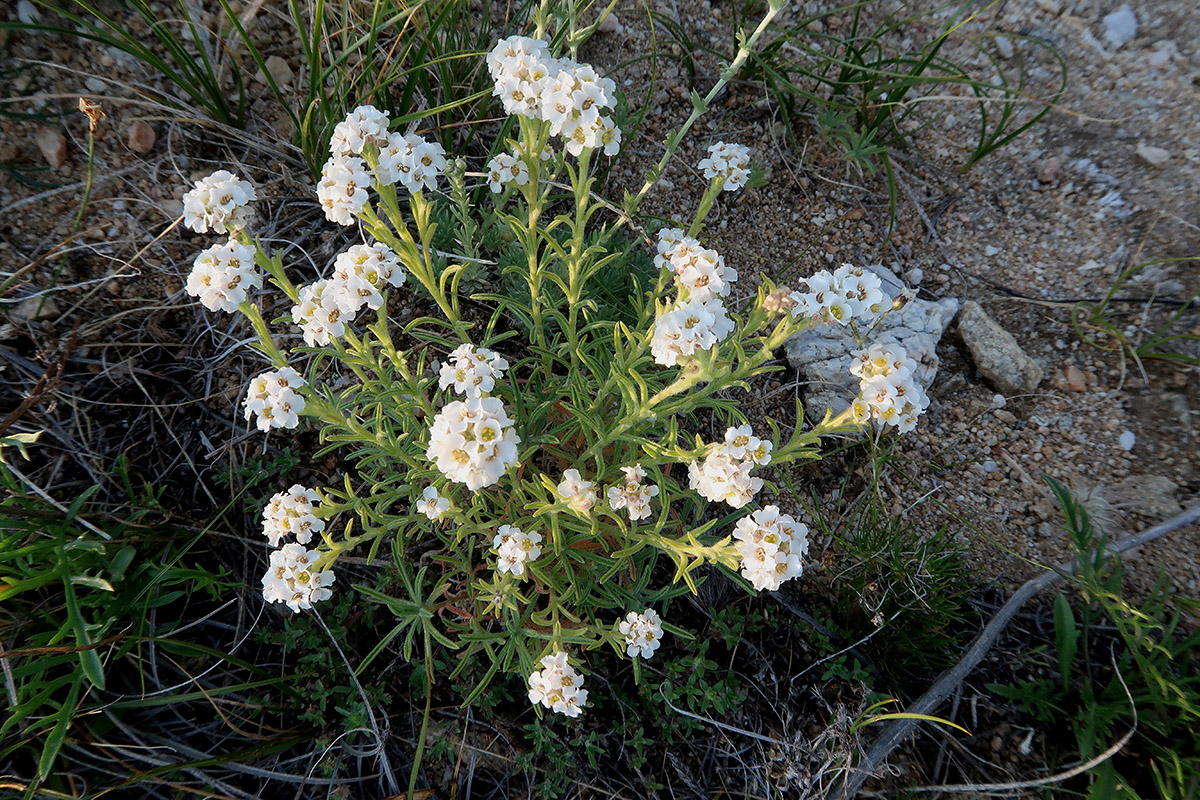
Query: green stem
{"x": 700, "y": 105}
{"x": 706, "y": 203}
{"x": 420, "y": 754}
{"x": 87, "y": 193}
{"x": 265, "y": 344}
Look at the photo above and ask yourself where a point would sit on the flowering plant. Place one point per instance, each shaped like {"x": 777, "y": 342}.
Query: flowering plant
{"x": 529, "y": 468}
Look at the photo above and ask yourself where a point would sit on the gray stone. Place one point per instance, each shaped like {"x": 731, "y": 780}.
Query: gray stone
{"x": 822, "y": 354}
{"x": 1120, "y": 27}
{"x": 1154, "y": 156}
{"x": 996, "y": 352}
{"x": 1148, "y": 495}
{"x": 610, "y": 24}
{"x": 32, "y": 309}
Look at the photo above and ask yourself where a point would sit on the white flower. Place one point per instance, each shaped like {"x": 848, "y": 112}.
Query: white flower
{"x": 220, "y": 202}
{"x": 643, "y": 633}
{"x": 558, "y": 686}
{"x": 319, "y": 314}
{"x": 771, "y": 545}
{"x": 292, "y": 512}
{"x": 359, "y": 275}
{"x": 362, "y": 126}
{"x": 722, "y": 477}
{"x": 843, "y": 295}
{"x": 632, "y": 495}
{"x": 579, "y": 494}
{"x": 292, "y": 578}
{"x": 432, "y": 504}
{"x": 571, "y": 97}
{"x": 610, "y": 136}
{"x": 273, "y": 397}
{"x": 741, "y": 443}
{"x": 573, "y": 103}
{"x": 689, "y": 327}
{"x": 411, "y": 161}
{"x": 728, "y": 161}
{"x": 888, "y": 389}
{"x": 521, "y": 69}
{"x": 507, "y": 168}
{"x": 472, "y": 441}
{"x": 515, "y": 547}
{"x": 342, "y": 189}
{"x": 221, "y": 275}
{"x": 472, "y": 370}
{"x": 700, "y": 273}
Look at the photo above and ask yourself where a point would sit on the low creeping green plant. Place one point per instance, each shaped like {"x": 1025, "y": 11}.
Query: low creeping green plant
{"x": 526, "y": 469}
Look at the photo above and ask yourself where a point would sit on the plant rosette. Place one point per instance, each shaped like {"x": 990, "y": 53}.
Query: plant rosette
{"x": 528, "y": 472}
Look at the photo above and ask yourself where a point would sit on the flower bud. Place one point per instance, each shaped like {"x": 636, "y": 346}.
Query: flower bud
{"x": 903, "y": 298}
{"x": 779, "y": 301}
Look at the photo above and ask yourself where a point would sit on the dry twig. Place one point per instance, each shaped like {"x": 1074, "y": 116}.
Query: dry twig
{"x": 896, "y": 731}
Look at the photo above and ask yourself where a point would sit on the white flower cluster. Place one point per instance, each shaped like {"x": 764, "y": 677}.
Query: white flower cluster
{"x": 725, "y": 472}
{"x": 579, "y": 494}
{"x": 697, "y": 320}
{"x": 221, "y": 275}
{"x": 728, "y": 161}
{"x": 887, "y": 389}
{"x": 432, "y": 504}
{"x": 570, "y": 96}
{"x": 505, "y": 168}
{"x": 687, "y": 328}
{"x": 359, "y": 276}
{"x": 363, "y": 136}
{"x": 220, "y": 202}
{"x": 472, "y": 441}
{"x": 643, "y": 633}
{"x": 273, "y": 396}
{"x": 557, "y": 686}
{"x": 410, "y": 161}
{"x": 342, "y": 190}
{"x": 290, "y": 513}
{"x": 515, "y": 547}
{"x": 701, "y": 273}
{"x": 771, "y": 545}
{"x": 633, "y": 495}
{"x": 848, "y": 293}
{"x": 293, "y": 578}
{"x": 362, "y": 126}
{"x": 471, "y": 370}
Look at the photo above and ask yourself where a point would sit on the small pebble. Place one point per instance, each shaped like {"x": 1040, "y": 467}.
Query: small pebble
{"x": 142, "y": 137}
{"x": 53, "y": 146}
{"x": 1127, "y": 440}
{"x": 28, "y": 13}
{"x": 281, "y": 72}
{"x": 1076, "y": 380}
{"x": 95, "y": 85}
{"x": 1049, "y": 170}
{"x": 1154, "y": 156}
{"x": 610, "y": 24}
{"x": 1004, "y": 47}
{"x": 1120, "y": 27}
{"x": 999, "y": 401}
{"x": 1162, "y": 53}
